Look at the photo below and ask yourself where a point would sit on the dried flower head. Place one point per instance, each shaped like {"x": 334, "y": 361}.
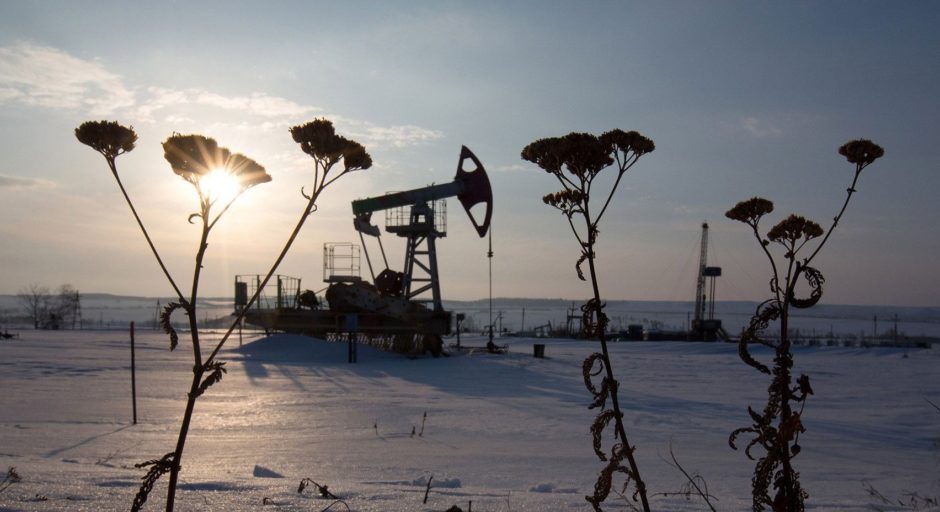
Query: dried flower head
{"x": 794, "y": 228}
{"x": 861, "y": 152}
{"x": 356, "y": 157}
{"x": 750, "y": 211}
{"x": 565, "y": 200}
{"x": 542, "y": 154}
{"x": 106, "y": 137}
{"x": 318, "y": 139}
{"x": 193, "y": 157}
{"x": 583, "y": 154}
{"x": 628, "y": 142}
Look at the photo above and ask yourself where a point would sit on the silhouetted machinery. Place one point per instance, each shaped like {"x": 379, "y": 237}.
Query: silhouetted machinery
{"x": 399, "y": 310}
{"x": 705, "y": 327}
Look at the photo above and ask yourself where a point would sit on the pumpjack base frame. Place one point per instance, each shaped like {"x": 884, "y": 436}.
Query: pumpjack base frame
{"x": 324, "y": 323}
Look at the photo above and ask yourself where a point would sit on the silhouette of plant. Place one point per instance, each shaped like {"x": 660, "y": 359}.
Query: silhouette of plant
{"x": 322, "y": 490}
{"x": 10, "y": 478}
{"x": 575, "y": 160}
{"x": 777, "y": 429}
{"x": 197, "y": 159}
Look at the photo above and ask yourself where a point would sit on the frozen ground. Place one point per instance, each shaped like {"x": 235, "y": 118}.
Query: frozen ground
{"x": 509, "y": 432}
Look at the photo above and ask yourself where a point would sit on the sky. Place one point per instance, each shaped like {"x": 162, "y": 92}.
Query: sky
{"x": 742, "y": 99}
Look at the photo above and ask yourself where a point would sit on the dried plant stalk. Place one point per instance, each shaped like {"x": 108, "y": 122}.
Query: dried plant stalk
{"x": 575, "y": 160}
{"x": 777, "y": 428}
{"x": 195, "y": 158}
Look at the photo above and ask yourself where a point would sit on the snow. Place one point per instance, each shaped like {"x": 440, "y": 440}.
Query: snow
{"x": 507, "y": 432}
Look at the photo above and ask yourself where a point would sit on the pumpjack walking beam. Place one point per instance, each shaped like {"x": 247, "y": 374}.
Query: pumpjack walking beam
{"x": 471, "y": 186}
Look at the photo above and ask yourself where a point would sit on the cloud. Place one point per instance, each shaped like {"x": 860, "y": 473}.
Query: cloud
{"x": 8, "y": 93}
{"x": 257, "y": 103}
{"x": 175, "y": 119}
{"x": 514, "y": 168}
{"x": 280, "y": 113}
{"x": 47, "y": 77}
{"x": 18, "y": 182}
{"x": 160, "y": 99}
{"x": 372, "y": 135}
{"x": 759, "y": 128}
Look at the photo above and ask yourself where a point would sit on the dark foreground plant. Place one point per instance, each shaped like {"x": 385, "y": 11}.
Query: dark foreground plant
{"x": 199, "y": 161}
{"x": 322, "y": 490}
{"x": 909, "y": 501}
{"x": 575, "y": 160}
{"x": 777, "y": 429}
{"x": 11, "y": 477}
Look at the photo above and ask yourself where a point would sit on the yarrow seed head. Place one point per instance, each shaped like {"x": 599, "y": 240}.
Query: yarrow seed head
{"x": 563, "y": 198}
{"x": 632, "y": 141}
{"x": 583, "y": 154}
{"x": 318, "y": 139}
{"x": 750, "y": 211}
{"x": 193, "y": 157}
{"x": 794, "y": 228}
{"x": 107, "y": 137}
{"x": 861, "y": 151}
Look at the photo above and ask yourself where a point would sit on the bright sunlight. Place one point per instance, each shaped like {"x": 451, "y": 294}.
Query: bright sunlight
{"x": 220, "y": 186}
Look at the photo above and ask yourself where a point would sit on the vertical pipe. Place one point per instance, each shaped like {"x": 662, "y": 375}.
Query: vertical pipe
{"x": 351, "y": 326}
{"x": 489, "y": 255}
{"x": 133, "y": 376}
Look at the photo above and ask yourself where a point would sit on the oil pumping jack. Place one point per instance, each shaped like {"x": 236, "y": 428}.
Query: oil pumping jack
{"x": 400, "y": 310}
{"x": 413, "y": 295}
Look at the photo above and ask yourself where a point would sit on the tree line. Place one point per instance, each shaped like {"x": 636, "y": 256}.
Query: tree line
{"x": 47, "y": 309}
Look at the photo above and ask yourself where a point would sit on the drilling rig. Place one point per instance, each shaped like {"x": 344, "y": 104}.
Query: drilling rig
{"x": 399, "y": 310}
{"x": 704, "y": 325}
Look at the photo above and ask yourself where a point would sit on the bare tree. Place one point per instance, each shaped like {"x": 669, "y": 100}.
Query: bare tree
{"x": 36, "y": 300}
{"x": 68, "y": 305}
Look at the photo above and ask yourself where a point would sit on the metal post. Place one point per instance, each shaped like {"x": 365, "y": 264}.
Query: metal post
{"x": 133, "y": 376}
{"x": 351, "y": 322}
{"x": 489, "y": 255}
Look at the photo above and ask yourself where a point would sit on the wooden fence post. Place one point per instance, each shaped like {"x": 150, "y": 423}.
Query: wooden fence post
{"x": 133, "y": 376}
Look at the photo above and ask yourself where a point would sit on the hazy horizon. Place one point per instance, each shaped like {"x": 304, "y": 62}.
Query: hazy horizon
{"x": 742, "y": 99}
{"x": 576, "y": 300}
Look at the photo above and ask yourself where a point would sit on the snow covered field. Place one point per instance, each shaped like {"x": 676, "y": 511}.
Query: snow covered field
{"x": 507, "y": 432}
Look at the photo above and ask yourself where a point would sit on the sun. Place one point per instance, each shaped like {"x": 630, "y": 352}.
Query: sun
{"x": 220, "y": 186}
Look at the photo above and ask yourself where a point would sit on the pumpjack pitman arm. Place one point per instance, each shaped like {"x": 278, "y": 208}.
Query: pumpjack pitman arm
{"x": 470, "y": 187}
